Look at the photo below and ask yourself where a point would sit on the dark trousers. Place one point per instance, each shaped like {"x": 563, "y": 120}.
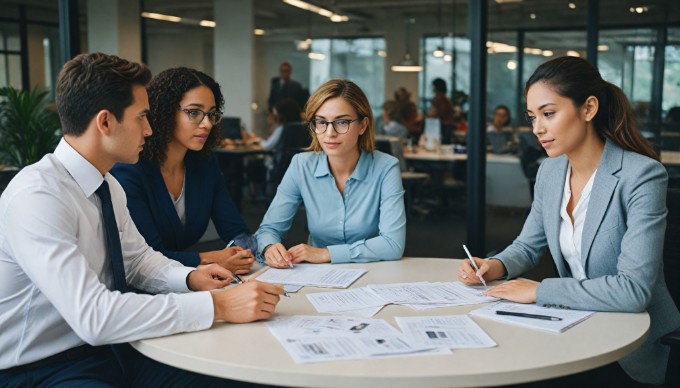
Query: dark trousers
{"x": 105, "y": 367}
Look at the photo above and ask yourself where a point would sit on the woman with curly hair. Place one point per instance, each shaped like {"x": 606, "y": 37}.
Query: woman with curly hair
{"x": 176, "y": 187}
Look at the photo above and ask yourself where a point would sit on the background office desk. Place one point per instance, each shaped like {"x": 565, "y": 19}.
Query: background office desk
{"x": 506, "y": 184}
{"x": 231, "y": 160}
{"x": 249, "y": 352}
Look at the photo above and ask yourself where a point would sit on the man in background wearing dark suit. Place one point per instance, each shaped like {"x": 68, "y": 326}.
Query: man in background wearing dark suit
{"x": 284, "y": 87}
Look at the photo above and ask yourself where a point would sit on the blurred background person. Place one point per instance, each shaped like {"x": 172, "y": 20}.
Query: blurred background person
{"x": 285, "y": 87}
{"x": 500, "y": 136}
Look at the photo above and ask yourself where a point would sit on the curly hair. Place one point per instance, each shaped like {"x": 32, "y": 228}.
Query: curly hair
{"x": 166, "y": 90}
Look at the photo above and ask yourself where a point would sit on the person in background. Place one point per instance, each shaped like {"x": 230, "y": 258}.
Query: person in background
{"x": 408, "y": 113}
{"x": 499, "y": 134}
{"x": 352, "y": 194}
{"x": 600, "y": 208}
{"x": 176, "y": 188}
{"x": 285, "y": 111}
{"x": 69, "y": 252}
{"x": 285, "y": 87}
{"x": 442, "y": 108}
{"x": 391, "y": 117}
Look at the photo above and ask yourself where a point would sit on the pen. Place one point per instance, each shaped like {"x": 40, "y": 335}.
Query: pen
{"x": 230, "y": 243}
{"x": 525, "y": 315}
{"x": 238, "y": 280}
{"x": 474, "y": 265}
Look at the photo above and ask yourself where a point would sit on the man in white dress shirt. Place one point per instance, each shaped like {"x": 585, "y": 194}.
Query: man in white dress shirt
{"x": 58, "y": 302}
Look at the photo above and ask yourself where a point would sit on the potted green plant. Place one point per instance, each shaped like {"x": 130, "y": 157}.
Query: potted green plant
{"x": 28, "y": 129}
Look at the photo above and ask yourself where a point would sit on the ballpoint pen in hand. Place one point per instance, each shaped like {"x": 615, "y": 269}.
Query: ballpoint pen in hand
{"x": 238, "y": 280}
{"x": 474, "y": 265}
{"x": 230, "y": 243}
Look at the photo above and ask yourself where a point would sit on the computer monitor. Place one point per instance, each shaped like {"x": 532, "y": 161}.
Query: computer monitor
{"x": 231, "y": 128}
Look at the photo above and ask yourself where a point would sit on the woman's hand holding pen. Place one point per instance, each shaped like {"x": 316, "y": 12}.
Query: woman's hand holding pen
{"x": 488, "y": 269}
{"x": 235, "y": 259}
{"x": 277, "y": 256}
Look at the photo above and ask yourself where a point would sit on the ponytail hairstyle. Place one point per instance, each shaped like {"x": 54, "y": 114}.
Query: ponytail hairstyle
{"x": 577, "y": 79}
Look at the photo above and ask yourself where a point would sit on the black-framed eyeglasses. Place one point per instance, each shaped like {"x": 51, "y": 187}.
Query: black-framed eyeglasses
{"x": 341, "y": 126}
{"x": 196, "y": 116}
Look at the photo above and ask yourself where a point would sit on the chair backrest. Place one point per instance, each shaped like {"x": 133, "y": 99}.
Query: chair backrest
{"x": 294, "y": 139}
{"x": 671, "y": 257}
{"x": 231, "y": 128}
{"x": 530, "y": 154}
{"x": 391, "y": 145}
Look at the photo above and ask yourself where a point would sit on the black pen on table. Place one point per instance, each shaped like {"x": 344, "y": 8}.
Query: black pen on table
{"x": 526, "y": 315}
{"x": 238, "y": 280}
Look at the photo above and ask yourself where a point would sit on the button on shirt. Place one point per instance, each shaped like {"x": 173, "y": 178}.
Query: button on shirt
{"x": 571, "y": 234}
{"x": 55, "y": 279}
{"x": 365, "y": 223}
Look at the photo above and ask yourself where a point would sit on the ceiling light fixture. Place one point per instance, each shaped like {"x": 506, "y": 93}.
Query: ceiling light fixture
{"x": 160, "y": 16}
{"x": 572, "y": 5}
{"x": 407, "y": 64}
{"x": 258, "y": 31}
{"x": 336, "y": 18}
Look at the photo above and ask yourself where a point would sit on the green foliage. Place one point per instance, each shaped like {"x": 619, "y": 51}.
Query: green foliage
{"x": 28, "y": 130}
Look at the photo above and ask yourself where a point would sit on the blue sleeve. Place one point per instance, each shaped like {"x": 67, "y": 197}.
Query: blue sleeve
{"x": 279, "y": 217}
{"x": 225, "y": 215}
{"x": 391, "y": 239}
{"x": 273, "y": 140}
{"x": 139, "y": 204}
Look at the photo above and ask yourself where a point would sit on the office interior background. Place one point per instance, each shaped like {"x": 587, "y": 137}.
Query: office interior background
{"x": 635, "y": 43}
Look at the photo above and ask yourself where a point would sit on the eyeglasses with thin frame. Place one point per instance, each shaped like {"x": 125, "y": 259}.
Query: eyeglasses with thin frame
{"x": 341, "y": 126}
{"x": 196, "y": 116}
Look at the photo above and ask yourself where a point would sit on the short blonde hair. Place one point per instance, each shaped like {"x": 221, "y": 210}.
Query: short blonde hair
{"x": 353, "y": 95}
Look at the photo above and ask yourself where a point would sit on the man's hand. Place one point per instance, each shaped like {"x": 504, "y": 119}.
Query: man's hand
{"x": 304, "y": 252}
{"x": 208, "y": 277}
{"x": 247, "y": 302}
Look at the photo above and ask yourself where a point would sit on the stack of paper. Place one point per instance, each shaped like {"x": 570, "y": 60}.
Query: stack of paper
{"x": 563, "y": 318}
{"x": 318, "y": 275}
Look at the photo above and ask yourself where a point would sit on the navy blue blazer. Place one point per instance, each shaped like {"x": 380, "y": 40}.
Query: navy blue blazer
{"x": 154, "y": 214}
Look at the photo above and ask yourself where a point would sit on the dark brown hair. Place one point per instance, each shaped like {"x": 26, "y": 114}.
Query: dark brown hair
{"x": 92, "y": 82}
{"x": 577, "y": 79}
{"x": 166, "y": 90}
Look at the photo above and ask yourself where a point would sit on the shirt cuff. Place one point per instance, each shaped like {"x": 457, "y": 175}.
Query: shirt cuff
{"x": 197, "y": 311}
{"x": 339, "y": 253}
{"x": 177, "y": 279}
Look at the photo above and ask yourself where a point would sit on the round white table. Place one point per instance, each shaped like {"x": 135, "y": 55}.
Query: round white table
{"x": 249, "y": 352}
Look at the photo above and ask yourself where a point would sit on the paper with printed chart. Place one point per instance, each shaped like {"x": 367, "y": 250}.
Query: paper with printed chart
{"x": 445, "y": 331}
{"x": 310, "y": 339}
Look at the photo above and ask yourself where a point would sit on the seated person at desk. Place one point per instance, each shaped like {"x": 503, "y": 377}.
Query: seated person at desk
{"x": 284, "y": 111}
{"x": 69, "y": 252}
{"x": 499, "y": 134}
{"x": 176, "y": 187}
{"x": 391, "y": 117}
{"x": 599, "y": 206}
{"x": 352, "y": 194}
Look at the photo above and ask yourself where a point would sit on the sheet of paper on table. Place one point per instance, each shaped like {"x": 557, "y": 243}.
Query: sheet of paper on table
{"x": 445, "y": 331}
{"x": 311, "y": 339}
{"x": 569, "y": 318}
{"x": 317, "y": 275}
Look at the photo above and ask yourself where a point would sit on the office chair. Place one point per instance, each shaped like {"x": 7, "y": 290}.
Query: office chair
{"x": 671, "y": 263}
{"x": 530, "y": 157}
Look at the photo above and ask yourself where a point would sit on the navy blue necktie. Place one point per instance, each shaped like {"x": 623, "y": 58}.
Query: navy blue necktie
{"x": 113, "y": 249}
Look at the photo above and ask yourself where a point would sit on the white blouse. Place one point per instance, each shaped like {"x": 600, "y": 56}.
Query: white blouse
{"x": 570, "y": 234}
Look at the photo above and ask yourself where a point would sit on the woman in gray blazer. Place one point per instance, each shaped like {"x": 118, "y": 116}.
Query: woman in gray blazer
{"x": 599, "y": 207}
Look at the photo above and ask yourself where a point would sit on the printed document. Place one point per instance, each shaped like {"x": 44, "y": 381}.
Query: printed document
{"x": 311, "y": 339}
{"x": 317, "y": 275}
{"x": 569, "y": 318}
{"x": 445, "y": 331}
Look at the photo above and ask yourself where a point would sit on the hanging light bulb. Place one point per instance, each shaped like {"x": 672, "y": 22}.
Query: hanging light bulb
{"x": 439, "y": 52}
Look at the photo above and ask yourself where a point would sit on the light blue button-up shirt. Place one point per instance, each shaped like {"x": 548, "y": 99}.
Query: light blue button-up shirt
{"x": 366, "y": 223}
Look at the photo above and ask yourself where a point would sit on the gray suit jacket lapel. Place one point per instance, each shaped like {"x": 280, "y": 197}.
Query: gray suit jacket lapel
{"x": 552, "y": 204}
{"x": 602, "y": 191}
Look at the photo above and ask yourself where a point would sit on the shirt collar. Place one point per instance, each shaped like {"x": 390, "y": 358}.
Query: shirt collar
{"x": 83, "y": 172}
{"x": 360, "y": 171}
